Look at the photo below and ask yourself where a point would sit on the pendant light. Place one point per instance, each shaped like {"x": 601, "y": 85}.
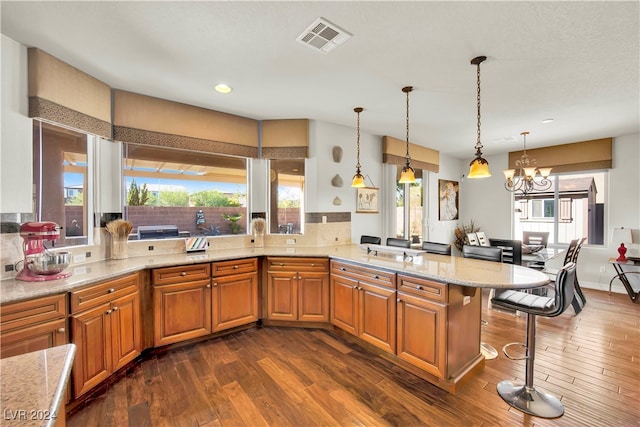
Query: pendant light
{"x": 408, "y": 175}
{"x": 358, "y": 179}
{"x": 479, "y": 167}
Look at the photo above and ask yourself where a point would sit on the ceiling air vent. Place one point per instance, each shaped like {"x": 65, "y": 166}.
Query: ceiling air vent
{"x": 324, "y": 36}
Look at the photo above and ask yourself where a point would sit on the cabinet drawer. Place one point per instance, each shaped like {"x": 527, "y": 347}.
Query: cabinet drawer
{"x": 26, "y": 313}
{"x": 226, "y": 268}
{"x": 98, "y": 294}
{"x": 369, "y": 275}
{"x": 422, "y": 287}
{"x": 180, "y": 274}
{"x": 297, "y": 264}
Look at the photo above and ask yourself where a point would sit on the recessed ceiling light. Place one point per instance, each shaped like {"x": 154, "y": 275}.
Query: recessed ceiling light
{"x": 223, "y": 88}
{"x": 547, "y": 120}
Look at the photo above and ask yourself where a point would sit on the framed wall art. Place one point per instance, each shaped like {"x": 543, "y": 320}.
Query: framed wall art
{"x": 367, "y": 200}
{"x": 448, "y": 199}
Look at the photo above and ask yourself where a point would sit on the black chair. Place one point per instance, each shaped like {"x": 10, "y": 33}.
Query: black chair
{"x": 436, "y": 248}
{"x": 485, "y": 253}
{"x": 400, "y": 243}
{"x": 538, "y": 238}
{"x": 511, "y": 250}
{"x": 571, "y": 255}
{"x": 525, "y": 397}
{"x": 374, "y": 240}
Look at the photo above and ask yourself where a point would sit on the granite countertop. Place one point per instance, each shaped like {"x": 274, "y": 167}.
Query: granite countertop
{"x": 449, "y": 269}
{"x": 33, "y": 386}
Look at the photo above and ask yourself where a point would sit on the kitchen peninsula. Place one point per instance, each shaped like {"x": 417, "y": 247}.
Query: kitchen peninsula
{"x": 430, "y": 298}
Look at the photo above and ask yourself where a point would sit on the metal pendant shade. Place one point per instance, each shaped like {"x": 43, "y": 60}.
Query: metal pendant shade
{"x": 479, "y": 166}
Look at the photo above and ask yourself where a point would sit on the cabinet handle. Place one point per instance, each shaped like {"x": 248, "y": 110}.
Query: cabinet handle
{"x": 398, "y": 300}
{"x": 375, "y": 276}
{"x": 109, "y": 311}
{"x": 61, "y": 330}
{"x": 208, "y": 285}
{"x": 235, "y": 267}
{"x": 343, "y": 269}
{"x": 282, "y": 264}
{"x": 184, "y": 273}
{"x": 115, "y": 309}
{"x": 110, "y": 290}
{"x": 419, "y": 287}
{"x": 313, "y": 265}
{"x": 215, "y": 283}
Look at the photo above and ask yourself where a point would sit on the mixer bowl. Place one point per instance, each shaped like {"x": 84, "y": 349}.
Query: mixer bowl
{"x": 48, "y": 262}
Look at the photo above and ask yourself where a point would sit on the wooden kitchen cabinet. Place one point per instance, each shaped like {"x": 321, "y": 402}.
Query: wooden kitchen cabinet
{"x": 422, "y": 333}
{"x": 234, "y": 293}
{"x": 106, "y": 327}
{"x": 181, "y": 303}
{"x": 429, "y": 318}
{"x": 363, "y": 303}
{"x": 298, "y": 289}
{"x": 33, "y": 325}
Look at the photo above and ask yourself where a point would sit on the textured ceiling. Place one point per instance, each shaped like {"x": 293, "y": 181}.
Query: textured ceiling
{"x": 576, "y": 62}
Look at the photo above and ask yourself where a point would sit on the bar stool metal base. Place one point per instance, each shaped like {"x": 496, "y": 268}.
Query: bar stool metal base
{"x": 530, "y": 400}
{"x": 488, "y": 351}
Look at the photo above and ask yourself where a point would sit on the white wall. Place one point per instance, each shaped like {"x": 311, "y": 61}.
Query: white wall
{"x": 321, "y": 169}
{"x": 15, "y": 146}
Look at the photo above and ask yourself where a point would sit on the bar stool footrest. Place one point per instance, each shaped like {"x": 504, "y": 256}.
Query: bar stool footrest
{"x": 506, "y": 353}
{"x": 530, "y": 400}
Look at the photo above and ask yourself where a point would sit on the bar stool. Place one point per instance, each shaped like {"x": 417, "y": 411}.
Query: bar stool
{"x": 525, "y": 397}
{"x": 436, "y": 248}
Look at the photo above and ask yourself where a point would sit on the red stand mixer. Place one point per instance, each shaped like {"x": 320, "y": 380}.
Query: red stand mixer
{"x": 40, "y": 264}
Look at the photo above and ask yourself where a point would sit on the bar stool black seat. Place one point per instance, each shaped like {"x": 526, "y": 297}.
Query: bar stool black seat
{"x": 525, "y": 397}
{"x": 400, "y": 243}
{"x": 436, "y": 248}
{"x": 374, "y": 240}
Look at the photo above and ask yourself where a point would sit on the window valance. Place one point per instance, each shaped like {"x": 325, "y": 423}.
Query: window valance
{"x": 285, "y": 139}
{"x": 394, "y": 151}
{"x": 574, "y": 157}
{"x": 147, "y": 120}
{"x": 60, "y": 93}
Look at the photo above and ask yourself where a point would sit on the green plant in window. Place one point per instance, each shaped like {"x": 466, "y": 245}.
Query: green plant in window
{"x": 233, "y": 219}
{"x": 137, "y": 196}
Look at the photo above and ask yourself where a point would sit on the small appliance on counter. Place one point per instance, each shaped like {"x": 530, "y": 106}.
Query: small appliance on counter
{"x": 39, "y": 264}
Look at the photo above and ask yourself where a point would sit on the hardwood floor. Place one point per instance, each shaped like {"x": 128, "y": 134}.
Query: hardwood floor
{"x": 290, "y": 376}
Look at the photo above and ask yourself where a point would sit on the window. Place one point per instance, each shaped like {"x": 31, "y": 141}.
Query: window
{"x": 572, "y": 208}
{"x": 286, "y": 196}
{"x": 409, "y": 209}
{"x": 200, "y": 193}
{"x": 61, "y": 167}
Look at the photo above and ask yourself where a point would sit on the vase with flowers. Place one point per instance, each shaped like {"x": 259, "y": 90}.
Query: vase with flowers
{"x": 258, "y": 226}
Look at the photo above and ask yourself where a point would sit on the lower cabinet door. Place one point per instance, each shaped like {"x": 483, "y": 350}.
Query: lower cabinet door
{"x": 33, "y": 338}
{"x": 282, "y": 296}
{"x": 422, "y": 338}
{"x": 126, "y": 329}
{"x": 313, "y": 297}
{"x": 91, "y": 330}
{"x": 344, "y": 303}
{"x": 181, "y": 311}
{"x": 377, "y": 307}
{"x": 234, "y": 300}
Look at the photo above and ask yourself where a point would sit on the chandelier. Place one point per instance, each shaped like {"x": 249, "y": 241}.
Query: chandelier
{"x": 529, "y": 178}
{"x": 408, "y": 174}
{"x": 358, "y": 178}
{"x": 479, "y": 166}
